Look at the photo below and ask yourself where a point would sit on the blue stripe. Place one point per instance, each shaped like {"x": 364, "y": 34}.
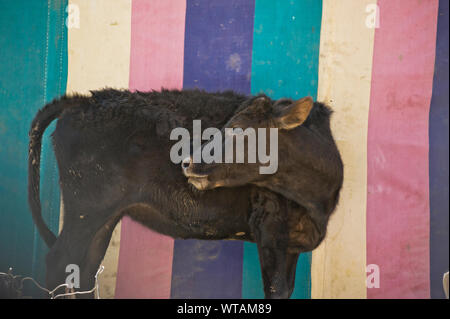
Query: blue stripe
{"x": 33, "y": 70}
{"x": 285, "y": 62}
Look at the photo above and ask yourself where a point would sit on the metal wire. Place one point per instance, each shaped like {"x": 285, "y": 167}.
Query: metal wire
{"x": 52, "y": 292}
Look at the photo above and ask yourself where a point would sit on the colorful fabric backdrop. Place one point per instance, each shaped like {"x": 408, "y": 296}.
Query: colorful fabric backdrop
{"x": 381, "y": 65}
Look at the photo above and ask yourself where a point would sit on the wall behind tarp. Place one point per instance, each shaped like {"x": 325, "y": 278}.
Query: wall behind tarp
{"x": 381, "y": 65}
{"x": 33, "y": 71}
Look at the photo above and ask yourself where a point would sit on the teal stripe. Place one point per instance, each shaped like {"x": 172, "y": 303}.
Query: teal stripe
{"x": 285, "y": 61}
{"x": 33, "y": 71}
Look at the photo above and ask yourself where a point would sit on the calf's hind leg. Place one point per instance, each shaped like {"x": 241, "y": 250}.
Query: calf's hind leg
{"x": 96, "y": 252}
{"x": 82, "y": 242}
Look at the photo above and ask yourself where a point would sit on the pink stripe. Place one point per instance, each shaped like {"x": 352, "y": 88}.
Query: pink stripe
{"x": 157, "y": 44}
{"x": 157, "y": 50}
{"x": 398, "y": 213}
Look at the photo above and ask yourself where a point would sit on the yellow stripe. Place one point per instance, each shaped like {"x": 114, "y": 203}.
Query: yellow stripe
{"x": 99, "y": 56}
{"x": 345, "y": 66}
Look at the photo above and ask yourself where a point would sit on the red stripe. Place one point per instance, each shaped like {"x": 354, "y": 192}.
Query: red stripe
{"x": 398, "y": 213}
{"x": 157, "y": 45}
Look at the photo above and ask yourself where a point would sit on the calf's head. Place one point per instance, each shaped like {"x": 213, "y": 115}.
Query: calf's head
{"x": 263, "y": 141}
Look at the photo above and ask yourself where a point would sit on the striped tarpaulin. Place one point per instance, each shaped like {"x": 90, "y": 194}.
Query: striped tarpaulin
{"x": 381, "y": 65}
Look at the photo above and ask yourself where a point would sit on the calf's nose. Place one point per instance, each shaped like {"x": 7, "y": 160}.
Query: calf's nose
{"x": 186, "y": 163}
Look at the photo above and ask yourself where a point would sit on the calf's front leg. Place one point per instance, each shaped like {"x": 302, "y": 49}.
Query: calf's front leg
{"x": 268, "y": 223}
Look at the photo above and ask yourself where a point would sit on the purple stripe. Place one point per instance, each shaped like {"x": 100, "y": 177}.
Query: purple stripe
{"x": 217, "y": 56}
{"x": 439, "y": 158}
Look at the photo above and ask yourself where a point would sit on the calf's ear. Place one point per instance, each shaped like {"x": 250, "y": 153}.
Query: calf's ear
{"x": 294, "y": 114}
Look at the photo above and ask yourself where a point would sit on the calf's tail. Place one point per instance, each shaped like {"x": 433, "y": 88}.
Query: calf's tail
{"x": 41, "y": 121}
